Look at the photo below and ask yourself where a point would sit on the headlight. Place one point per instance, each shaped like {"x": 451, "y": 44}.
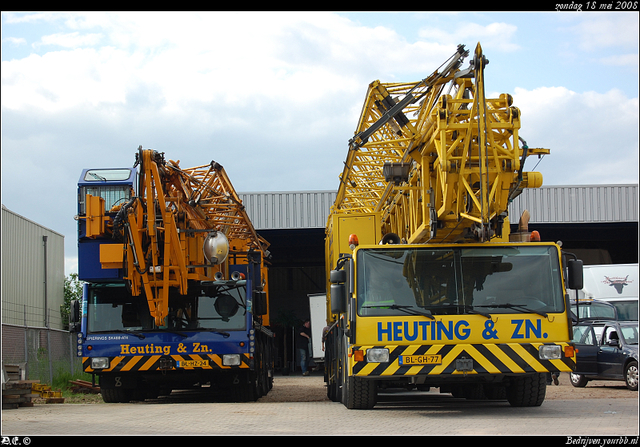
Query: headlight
{"x": 550, "y": 352}
{"x": 231, "y": 360}
{"x": 377, "y": 355}
{"x": 100, "y": 362}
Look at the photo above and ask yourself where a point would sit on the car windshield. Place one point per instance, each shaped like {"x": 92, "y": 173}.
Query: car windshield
{"x": 458, "y": 280}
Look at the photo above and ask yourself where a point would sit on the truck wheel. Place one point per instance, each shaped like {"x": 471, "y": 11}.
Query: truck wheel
{"x": 578, "y": 380}
{"x": 360, "y": 393}
{"x": 631, "y": 375}
{"x": 527, "y": 391}
{"x": 356, "y": 392}
{"x": 116, "y": 395}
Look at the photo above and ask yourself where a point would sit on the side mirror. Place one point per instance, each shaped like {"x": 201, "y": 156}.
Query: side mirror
{"x": 575, "y": 279}
{"x": 74, "y": 316}
{"x": 338, "y": 291}
{"x": 338, "y": 298}
{"x": 337, "y": 276}
{"x": 259, "y": 302}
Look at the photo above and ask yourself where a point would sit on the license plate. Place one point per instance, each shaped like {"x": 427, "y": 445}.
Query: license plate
{"x": 193, "y": 363}
{"x": 409, "y": 360}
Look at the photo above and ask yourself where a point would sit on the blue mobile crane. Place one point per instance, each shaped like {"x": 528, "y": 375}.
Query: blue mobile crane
{"x": 175, "y": 283}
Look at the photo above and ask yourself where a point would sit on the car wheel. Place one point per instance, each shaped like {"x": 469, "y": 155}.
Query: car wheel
{"x": 631, "y": 375}
{"x": 578, "y": 380}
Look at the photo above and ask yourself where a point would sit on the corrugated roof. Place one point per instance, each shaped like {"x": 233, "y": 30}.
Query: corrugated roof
{"x": 548, "y": 204}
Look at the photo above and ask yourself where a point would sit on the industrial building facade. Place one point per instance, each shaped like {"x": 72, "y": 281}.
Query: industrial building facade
{"x": 32, "y": 272}
{"x": 33, "y": 334}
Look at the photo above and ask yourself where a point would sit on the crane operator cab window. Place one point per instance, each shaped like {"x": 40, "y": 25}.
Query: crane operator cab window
{"x": 115, "y": 186}
{"x": 455, "y": 281}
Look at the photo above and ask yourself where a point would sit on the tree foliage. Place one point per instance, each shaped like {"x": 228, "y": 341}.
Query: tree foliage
{"x": 72, "y": 291}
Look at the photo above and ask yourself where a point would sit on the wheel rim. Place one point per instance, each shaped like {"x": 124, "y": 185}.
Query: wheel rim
{"x": 632, "y": 376}
{"x": 575, "y": 378}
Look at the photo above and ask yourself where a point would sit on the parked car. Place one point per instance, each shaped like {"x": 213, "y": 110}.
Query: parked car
{"x": 607, "y": 350}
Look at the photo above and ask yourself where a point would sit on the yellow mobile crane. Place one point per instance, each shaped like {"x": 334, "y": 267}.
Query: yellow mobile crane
{"x": 426, "y": 285}
{"x": 176, "y": 282}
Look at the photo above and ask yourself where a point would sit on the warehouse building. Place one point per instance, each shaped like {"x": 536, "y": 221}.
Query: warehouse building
{"x": 32, "y": 291}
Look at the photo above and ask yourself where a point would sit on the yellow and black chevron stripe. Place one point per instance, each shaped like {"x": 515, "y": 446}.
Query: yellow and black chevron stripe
{"x": 505, "y": 358}
{"x": 163, "y": 363}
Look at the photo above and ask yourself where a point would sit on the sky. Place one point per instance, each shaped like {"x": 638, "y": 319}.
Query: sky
{"x": 274, "y": 97}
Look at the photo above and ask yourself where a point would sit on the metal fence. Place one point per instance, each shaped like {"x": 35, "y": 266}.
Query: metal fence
{"x": 42, "y": 351}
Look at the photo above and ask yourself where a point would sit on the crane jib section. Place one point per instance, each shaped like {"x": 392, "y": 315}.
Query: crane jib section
{"x": 168, "y": 223}
{"x": 436, "y": 158}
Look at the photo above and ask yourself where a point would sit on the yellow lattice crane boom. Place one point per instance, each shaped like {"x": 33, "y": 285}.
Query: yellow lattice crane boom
{"x": 437, "y": 158}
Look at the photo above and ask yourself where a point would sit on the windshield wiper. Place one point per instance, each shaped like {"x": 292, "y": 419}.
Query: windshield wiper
{"x": 99, "y": 177}
{"x": 406, "y": 309}
{"x": 176, "y": 332}
{"x": 215, "y": 331}
{"x": 472, "y": 310}
{"x": 520, "y": 307}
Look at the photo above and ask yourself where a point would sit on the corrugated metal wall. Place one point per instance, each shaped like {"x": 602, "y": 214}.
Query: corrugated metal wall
{"x": 549, "y": 204}
{"x": 578, "y": 204}
{"x": 23, "y": 267}
{"x": 281, "y": 210}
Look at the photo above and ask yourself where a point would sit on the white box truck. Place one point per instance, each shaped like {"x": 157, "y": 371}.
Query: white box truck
{"x": 318, "y": 318}
{"x": 615, "y": 283}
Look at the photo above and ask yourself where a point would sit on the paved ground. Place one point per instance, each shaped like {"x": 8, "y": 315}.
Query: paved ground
{"x": 282, "y": 413}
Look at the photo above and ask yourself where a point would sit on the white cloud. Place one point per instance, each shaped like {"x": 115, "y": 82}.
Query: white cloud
{"x": 593, "y": 137}
{"x": 69, "y": 40}
{"x": 496, "y": 35}
{"x": 16, "y": 41}
{"x": 61, "y": 80}
{"x": 607, "y": 30}
{"x": 622, "y": 60}
{"x": 232, "y": 58}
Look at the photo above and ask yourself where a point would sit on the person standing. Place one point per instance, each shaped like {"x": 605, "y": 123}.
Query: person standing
{"x": 303, "y": 338}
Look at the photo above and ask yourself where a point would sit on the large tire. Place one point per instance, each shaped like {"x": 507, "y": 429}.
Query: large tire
{"x": 331, "y": 376}
{"x": 360, "y": 393}
{"x": 116, "y": 395}
{"x": 527, "y": 391}
{"x": 356, "y": 392}
{"x": 631, "y": 375}
{"x": 244, "y": 388}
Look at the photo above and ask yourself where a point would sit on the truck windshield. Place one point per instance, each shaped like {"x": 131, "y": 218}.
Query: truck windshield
{"x": 111, "y": 307}
{"x": 458, "y": 280}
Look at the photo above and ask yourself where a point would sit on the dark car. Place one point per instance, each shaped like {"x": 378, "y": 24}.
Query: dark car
{"x": 607, "y": 350}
